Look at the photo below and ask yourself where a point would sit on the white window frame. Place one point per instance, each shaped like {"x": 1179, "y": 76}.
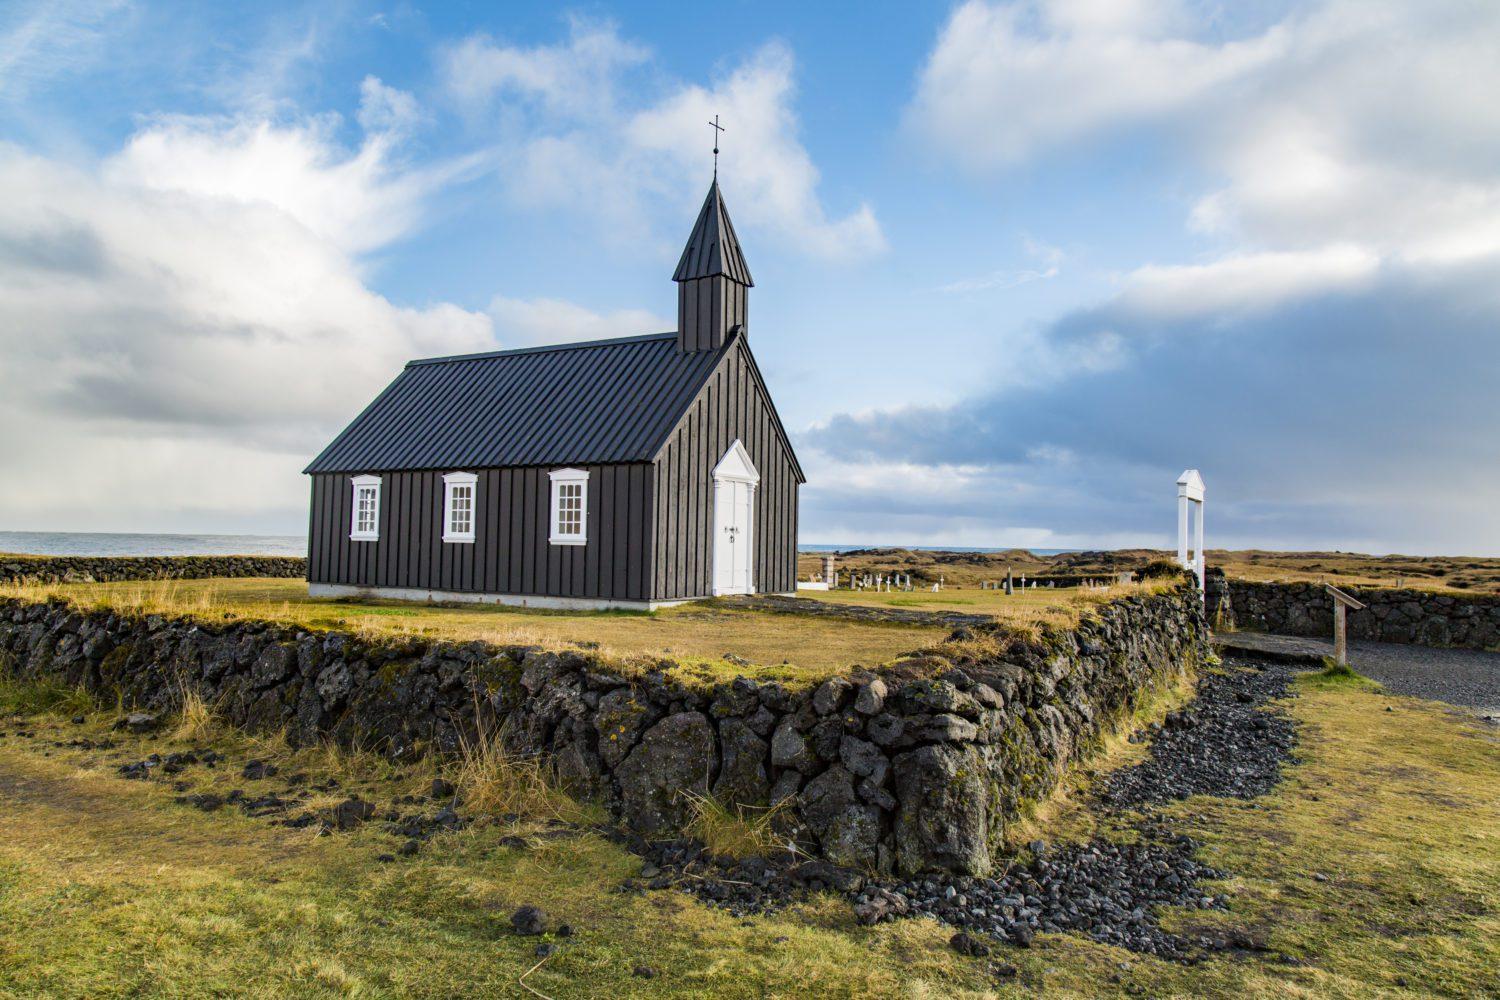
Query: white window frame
{"x": 560, "y": 478}
{"x": 362, "y": 483}
{"x": 451, "y": 481}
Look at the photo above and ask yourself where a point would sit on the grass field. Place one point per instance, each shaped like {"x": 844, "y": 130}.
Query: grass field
{"x": 108, "y": 889}
{"x": 967, "y": 569}
{"x": 787, "y": 647}
{"x": 1033, "y": 606}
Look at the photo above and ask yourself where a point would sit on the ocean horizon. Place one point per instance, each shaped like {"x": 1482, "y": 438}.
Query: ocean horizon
{"x": 108, "y": 543}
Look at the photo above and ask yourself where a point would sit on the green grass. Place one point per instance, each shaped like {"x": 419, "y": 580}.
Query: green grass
{"x": 107, "y": 889}
{"x": 25, "y": 698}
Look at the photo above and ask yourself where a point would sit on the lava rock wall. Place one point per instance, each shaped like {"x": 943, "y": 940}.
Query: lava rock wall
{"x": 107, "y": 569}
{"x": 917, "y": 767}
{"x": 1420, "y": 617}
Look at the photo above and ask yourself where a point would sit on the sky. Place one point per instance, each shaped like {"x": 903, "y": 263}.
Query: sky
{"x": 1018, "y": 264}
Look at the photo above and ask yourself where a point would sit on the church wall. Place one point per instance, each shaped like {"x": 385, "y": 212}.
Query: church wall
{"x": 730, "y": 406}
{"x": 510, "y": 553}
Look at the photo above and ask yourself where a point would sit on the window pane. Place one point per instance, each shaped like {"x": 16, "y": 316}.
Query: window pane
{"x": 569, "y": 509}
{"x": 461, "y": 509}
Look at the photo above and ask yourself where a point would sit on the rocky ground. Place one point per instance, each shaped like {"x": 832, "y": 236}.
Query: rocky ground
{"x": 1230, "y": 741}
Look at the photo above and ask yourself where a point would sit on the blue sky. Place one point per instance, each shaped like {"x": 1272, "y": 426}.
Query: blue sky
{"x": 1017, "y": 263}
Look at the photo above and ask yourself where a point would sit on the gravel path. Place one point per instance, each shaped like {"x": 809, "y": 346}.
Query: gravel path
{"x": 1466, "y": 677}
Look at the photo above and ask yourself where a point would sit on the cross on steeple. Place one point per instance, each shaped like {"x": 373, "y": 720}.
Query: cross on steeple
{"x": 717, "y": 129}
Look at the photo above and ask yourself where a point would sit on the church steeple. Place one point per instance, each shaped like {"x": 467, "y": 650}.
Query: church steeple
{"x": 713, "y": 282}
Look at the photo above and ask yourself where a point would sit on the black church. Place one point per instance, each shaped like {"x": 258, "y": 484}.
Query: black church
{"x": 629, "y": 473}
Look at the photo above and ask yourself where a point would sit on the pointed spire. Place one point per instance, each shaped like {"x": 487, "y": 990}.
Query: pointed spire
{"x": 713, "y": 249}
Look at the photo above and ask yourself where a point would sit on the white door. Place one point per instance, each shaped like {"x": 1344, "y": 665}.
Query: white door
{"x": 735, "y": 479}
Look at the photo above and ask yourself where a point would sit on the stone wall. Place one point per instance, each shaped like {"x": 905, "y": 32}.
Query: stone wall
{"x": 918, "y": 767}
{"x": 1423, "y": 617}
{"x": 104, "y": 569}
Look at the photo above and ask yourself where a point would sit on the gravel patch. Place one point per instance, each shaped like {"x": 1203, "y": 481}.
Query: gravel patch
{"x": 1225, "y": 743}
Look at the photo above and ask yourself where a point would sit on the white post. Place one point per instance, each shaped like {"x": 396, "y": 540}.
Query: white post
{"x": 1198, "y": 556}
{"x": 1182, "y": 529}
{"x": 1190, "y": 495}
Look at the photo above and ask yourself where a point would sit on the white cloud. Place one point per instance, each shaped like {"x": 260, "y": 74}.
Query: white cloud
{"x": 1007, "y": 80}
{"x": 356, "y": 201}
{"x": 41, "y": 40}
{"x": 579, "y": 77}
{"x": 1352, "y": 123}
{"x": 184, "y": 325}
{"x": 1049, "y": 265}
{"x": 523, "y": 322}
{"x": 386, "y": 110}
{"x": 1255, "y": 281}
{"x": 586, "y": 126}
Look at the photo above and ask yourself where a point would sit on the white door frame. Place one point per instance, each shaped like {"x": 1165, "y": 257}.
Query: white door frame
{"x": 735, "y": 468}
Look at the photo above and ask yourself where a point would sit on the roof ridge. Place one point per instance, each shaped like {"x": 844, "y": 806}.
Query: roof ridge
{"x": 544, "y": 348}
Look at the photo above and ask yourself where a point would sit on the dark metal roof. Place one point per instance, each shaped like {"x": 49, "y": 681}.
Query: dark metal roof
{"x": 571, "y": 404}
{"x": 713, "y": 248}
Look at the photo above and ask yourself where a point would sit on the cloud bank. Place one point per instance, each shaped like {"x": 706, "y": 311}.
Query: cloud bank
{"x": 1330, "y": 364}
{"x": 588, "y": 126}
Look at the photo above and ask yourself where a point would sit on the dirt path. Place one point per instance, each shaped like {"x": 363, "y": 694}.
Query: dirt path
{"x": 1468, "y": 678}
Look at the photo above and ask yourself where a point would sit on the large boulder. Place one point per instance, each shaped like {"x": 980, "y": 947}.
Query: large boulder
{"x": 742, "y": 778}
{"x": 943, "y": 804}
{"x": 847, "y": 827}
{"x": 619, "y": 720}
{"x": 789, "y": 748}
{"x": 674, "y": 756}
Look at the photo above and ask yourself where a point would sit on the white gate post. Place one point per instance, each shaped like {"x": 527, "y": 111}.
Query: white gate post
{"x": 1190, "y": 496}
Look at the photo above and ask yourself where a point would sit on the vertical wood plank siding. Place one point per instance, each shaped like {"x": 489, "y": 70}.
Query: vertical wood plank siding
{"x": 510, "y": 553}
{"x": 730, "y": 406}
{"x": 707, "y": 309}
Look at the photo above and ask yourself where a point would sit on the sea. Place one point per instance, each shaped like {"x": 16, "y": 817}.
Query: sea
{"x": 95, "y": 543}
{"x": 92, "y": 543}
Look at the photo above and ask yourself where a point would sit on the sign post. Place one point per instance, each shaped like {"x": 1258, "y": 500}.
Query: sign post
{"x": 1341, "y": 603}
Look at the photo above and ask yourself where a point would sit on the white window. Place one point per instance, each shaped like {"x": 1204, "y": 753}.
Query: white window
{"x": 459, "y": 490}
{"x": 570, "y": 507}
{"x": 365, "y": 519}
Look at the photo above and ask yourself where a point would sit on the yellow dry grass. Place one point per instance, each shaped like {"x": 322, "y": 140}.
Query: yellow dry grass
{"x": 1060, "y": 607}
{"x": 792, "y": 648}
{"x": 108, "y": 889}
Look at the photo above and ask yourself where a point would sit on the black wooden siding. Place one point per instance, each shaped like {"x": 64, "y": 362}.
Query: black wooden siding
{"x": 510, "y": 553}
{"x": 732, "y": 405}
{"x": 708, "y": 309}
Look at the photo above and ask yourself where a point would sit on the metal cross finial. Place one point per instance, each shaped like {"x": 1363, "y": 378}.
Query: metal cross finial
{"x": 717, "y": 129}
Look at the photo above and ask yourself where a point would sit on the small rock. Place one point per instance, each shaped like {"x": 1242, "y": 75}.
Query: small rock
{"x": 870, "y": 699}
{"x": 257, "y": 770}
{"x": 529, "y": 921}
{"x": 78, "y": 720}
{"x": 645, "y": 972}
{"x": 139, "y": 722}
{"x": 545, "y": 949}
{"x": 410, "y": 848}
{"x": 966, "y": 944}
{"x": 350, "y": 813}
{"x": 441, "y": 789}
